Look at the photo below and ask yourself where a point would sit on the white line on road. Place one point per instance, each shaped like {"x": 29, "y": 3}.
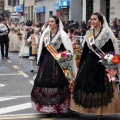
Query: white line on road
{"x": 9, "y": 61}
{"x": 4, "y": 99}
{"x": 10, "y": 74}
{"x": 32, "y": 82}
{"x": 15, "y": 108}
{"x": 21, "y": 72}
{"x": 12, "y": 97}
{"x": 2, "y": 85}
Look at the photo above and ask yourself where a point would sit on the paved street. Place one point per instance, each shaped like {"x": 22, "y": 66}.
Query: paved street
{"x": 15, "y": 88}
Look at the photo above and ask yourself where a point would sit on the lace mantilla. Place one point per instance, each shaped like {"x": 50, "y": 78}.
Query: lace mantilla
{"x": 55, "y": 42}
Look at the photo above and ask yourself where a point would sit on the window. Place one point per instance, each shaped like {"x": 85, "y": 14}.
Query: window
{"x": 89, "y": 9}
{"x": 50, "y": 13}
{"x": 9, "y": 2}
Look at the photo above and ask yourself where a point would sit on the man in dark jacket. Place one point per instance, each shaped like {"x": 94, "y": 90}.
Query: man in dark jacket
{"x": 4, "y": 40}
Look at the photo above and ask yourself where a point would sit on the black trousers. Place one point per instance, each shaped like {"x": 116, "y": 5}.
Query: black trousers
{"x": 4, "y": 46}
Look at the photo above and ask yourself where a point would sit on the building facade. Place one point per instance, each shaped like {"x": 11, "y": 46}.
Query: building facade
{"x": 41, "y": 10}
{"x": 14, "y": 10}
{"x": 2, "y": 8}
{"x": 29, "y": 9}
{"x": 65, "y": 9}
{"x": 109, "y": 8}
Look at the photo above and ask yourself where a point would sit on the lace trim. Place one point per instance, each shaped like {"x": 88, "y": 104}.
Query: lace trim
{"x": 97, "y": 99}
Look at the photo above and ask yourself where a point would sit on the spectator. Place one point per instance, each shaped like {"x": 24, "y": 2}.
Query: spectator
{"x": 4, "y": 39}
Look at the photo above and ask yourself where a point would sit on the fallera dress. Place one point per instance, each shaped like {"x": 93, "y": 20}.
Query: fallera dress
{"x": 50, "y": 93}
{"x": 93, "y": 93}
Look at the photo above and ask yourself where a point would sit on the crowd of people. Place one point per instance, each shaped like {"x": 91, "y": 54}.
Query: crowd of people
{"x": 93, "y": 91}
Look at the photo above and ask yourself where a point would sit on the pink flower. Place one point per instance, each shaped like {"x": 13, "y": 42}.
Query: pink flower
{"x": 63, "y": 54}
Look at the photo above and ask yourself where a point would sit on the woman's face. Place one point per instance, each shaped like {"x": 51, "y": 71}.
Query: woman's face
{"x": 52, "y": 23}
{"x": 95, "y": 21}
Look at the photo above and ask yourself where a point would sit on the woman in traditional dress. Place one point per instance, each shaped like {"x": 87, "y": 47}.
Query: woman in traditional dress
{"x": 14, "y": 41}
{"x": 50, "y": 93}
{"x": 93, "y": 93}
{"x": 24, "y": 48}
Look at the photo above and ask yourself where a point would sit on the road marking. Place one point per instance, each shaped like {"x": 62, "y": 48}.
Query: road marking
{"x": 32, "y": 82}
{"x": 15, "y": 66}
{"x": 4, "y": 99}
{"x": 9, "y": 61}
{"x": 18, "y": 116}
{"x": 15, "y": 108}
{"x": 2, "y": 85}
{"x": 12, "y": 97}
{"x": 21, "y": 72}
{"x": 9, "y": 74}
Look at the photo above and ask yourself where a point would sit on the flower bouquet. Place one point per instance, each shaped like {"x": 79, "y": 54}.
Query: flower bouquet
{"x": 110, "y": 60}
{"x": 65, "y": 60}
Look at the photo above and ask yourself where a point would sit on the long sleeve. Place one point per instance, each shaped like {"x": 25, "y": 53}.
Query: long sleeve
{"x": 84, "y": 53}
{"x": 44, "y": 51}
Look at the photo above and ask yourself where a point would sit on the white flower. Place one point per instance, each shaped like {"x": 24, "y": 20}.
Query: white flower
{"x": 108, "y": 57}
{"x": 58, "y": 57}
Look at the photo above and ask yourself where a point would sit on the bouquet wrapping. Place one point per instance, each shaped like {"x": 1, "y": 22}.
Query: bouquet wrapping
{"x": 111, "y": 62}
{"x": 65, "y": 60}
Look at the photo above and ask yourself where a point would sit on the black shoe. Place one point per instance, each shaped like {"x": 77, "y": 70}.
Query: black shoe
{"x": 2, "y": 57}
{"x": 7, "y": 57}
{"x": 50, "y": 115}
{"x": 32, "y": 71}
{"x": 99, "y": 117}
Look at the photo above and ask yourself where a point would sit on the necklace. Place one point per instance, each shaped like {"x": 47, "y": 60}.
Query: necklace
{"x": 96, "y": 32}
{"x": 51, "y": 37}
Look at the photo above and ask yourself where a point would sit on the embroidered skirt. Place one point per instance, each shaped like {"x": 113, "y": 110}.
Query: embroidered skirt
{"x": 50, "y": 93}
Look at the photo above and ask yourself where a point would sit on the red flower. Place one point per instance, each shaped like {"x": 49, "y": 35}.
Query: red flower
{"x": 103, "y": 56}
{"x": 63, "y": 54}
{"x": 115, "y": 59}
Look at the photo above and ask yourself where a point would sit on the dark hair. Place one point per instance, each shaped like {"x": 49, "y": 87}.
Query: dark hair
{"x": 100, "y": 17}
{"x": 56, "y": 19}
{"x": 2, "y": 19}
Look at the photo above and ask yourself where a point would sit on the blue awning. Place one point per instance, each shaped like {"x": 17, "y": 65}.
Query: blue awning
{"x": 19, "y": 8}
{"x": 64, "y": 3}
{"x": 56, "y": 6}
{"x": 40, "y": 9}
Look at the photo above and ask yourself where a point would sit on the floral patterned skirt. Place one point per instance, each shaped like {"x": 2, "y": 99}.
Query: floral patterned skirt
{"x": 51, "y": 100}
